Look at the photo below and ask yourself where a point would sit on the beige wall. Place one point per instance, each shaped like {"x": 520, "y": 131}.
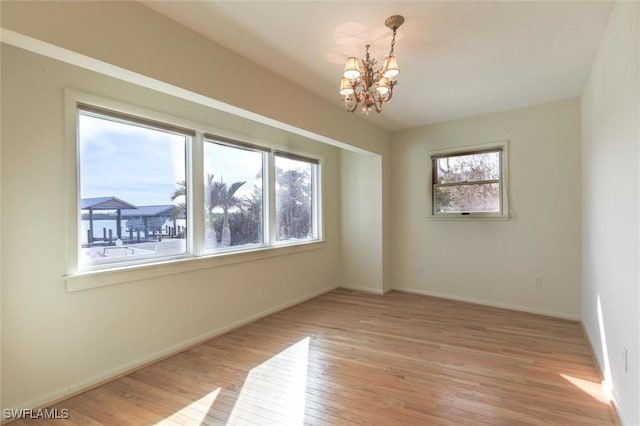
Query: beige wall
{"x": 362, "y": 266}
{"x": 611, "y": 211}
{"x": 495, "y": 262}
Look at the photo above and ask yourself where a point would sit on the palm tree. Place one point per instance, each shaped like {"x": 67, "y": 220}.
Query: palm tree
{"x": 224, "y": 197}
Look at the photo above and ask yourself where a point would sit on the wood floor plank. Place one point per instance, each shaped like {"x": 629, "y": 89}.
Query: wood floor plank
{"x": 351, "y": 358}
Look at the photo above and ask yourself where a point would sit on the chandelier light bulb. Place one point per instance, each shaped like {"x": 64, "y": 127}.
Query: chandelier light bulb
{"x": 352, "y": 68}
{"x": 391, "y": 67}
{"x": 383, "y": 86}
{"x": 345, "y": 86}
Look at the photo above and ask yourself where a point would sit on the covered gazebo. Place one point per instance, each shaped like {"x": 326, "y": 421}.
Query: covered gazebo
{"x": 105, "y": 203}
{"x": 148, "y": 218}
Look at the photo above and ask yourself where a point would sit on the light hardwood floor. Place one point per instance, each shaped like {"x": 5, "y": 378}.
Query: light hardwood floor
{"x": 355, "y": 358}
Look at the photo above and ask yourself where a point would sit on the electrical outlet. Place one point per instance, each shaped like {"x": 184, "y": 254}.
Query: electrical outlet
{"x": 537, "y": 280}
{"x": 419, "y": 268}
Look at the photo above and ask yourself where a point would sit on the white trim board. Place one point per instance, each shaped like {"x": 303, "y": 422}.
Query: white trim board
{"x": 561, "y": 315}
{"x": 369, "y": 290}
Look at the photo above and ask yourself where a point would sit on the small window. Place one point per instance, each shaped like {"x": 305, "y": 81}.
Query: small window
{"x": 132, "y": 182}
{"x": 234, "y": 194}
{"x": 296, "y": 197}
{"x": 469, "y": 182}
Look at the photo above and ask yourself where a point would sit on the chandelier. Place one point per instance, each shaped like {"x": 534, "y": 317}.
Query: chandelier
{"x": 363, "y": 83}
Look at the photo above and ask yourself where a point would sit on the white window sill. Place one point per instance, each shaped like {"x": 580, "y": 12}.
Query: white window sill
{"x": 459, "y": 216}
{"x": 92, "y": 279}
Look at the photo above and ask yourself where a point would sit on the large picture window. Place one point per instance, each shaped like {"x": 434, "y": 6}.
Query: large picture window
{"x": 150, "y": 191}
{"x": 470, "y": 182}
{"x": 131, "y": 177}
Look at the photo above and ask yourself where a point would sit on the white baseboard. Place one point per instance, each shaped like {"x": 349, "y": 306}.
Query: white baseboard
{"x": 122, "y": 370}
{"x": 376, "y": 291}
{"x": 562, "y": 315}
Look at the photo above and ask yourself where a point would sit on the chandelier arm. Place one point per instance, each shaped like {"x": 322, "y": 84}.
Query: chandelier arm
{"x": 351, "y": 103}
{"x": 377, "y": 102}
{"x": 390, "y": 93}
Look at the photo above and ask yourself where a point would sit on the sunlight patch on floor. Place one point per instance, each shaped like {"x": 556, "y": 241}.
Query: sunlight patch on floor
{"x": 274, "y": 391}
{"x": 595, "y": 389}
{"x": 197, "y": 410}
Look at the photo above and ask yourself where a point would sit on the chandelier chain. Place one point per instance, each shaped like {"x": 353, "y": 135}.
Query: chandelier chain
{"x": 393, "y": 42}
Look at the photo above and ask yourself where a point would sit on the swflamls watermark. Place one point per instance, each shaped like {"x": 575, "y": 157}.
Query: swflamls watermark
{"x": 35, "y": 413}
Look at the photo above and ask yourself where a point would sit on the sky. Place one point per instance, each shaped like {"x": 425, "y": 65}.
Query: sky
{"x": 138, "y": 165}
{"x": 231, "y": 165}
{"x": 143, "y": 166}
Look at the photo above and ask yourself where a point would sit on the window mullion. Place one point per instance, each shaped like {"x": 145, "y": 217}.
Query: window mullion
{"x": 270, "y": 201}
{"x": 317, "y": 201}
{"x": 195, "y": 197}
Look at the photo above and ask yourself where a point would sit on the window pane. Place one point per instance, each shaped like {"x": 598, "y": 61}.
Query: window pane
{"x": 468, "y": 168}
{"x": 233, "y": 196}
{"x": 132, "y": 186}
{"x": 468, "y": 198}
{"x": 294, "y": 199}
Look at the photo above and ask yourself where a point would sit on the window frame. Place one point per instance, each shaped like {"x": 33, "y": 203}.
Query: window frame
{"x": 196, "y": 258}
{"x": 500, "y": 146}
{"x": 142, "y": 122}
{"x": 315, "y": 196}
{"x": 265, "y": 151}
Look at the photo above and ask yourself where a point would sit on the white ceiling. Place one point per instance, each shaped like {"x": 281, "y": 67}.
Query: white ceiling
{"x": 457, "y": 59}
